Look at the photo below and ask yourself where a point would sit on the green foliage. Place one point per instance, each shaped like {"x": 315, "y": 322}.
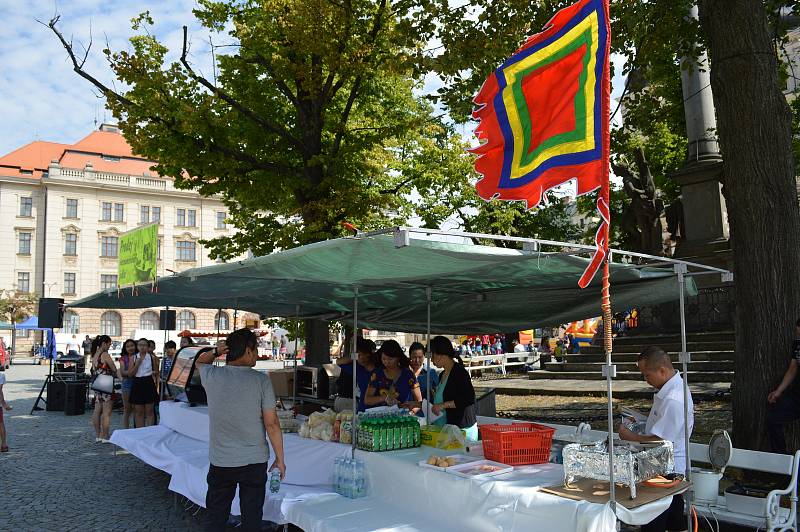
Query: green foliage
{"x": 16, "y": 306}
{"x": 301, "y": 129}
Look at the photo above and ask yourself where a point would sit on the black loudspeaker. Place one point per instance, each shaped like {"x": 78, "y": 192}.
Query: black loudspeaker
{"x": 75, "y": 399}
{"x": 166, "y": 320}
{"x": 55, "y": 396}
{"x": 51, "y": 313}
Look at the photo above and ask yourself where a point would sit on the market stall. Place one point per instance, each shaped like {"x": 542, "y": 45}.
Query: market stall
{"x": 413, "y": 283}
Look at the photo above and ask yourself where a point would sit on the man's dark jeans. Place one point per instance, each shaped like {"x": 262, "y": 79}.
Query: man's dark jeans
{"x": 785, "y": 410}
{"x": 222, "y": 482}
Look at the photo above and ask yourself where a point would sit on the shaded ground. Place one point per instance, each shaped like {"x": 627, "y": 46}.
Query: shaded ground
{"x": 708, "y": 415}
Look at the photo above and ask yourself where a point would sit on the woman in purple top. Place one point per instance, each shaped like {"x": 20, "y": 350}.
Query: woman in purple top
{"x": 394, "y": 383}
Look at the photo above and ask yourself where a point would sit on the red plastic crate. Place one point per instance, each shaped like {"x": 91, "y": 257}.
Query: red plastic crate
{"x": 518, "y": 443}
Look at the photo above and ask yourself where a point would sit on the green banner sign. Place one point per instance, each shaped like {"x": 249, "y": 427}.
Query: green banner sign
{"x": 138, "y": 251}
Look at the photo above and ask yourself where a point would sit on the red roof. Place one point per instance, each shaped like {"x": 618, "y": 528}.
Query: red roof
{"x": 106, "y": 150}
{"x": 32, "y": 159}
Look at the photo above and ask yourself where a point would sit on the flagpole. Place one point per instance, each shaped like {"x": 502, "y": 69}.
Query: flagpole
{"x": 609, "y": 369}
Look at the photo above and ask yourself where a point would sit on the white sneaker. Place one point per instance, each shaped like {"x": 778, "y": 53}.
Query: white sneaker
{"x": 98, "y": 440}
{"x": 103, "y": 440}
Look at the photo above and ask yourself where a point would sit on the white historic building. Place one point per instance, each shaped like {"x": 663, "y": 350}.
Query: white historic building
{"x": 64, "y": 208}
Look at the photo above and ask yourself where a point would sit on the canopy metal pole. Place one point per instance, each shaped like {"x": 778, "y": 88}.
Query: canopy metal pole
{"x": 355, "y": 372}
{"x": 610, "y": 372}
{"x": 296, "y": 336}
{"x": 684, "y": 356}
{"x": 428, "y": 292}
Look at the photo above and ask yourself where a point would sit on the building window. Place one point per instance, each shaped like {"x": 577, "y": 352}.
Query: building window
{"x": 144, "y": 214}
{"x": 71, "y": 244}
{"x": 148, "y": 321}
{"x": 111, "y": 323}
{"x": 24, "y": 282}
{"x": 24, "y": 244}
{"x": 156, "y": 215}
{"x": 184, "y": 251}
{"x": 26, "y": 207}
{"x": 221, "y": 220}
{"x": 181, "y": 218}
{"x": 69, "y": 284}
{"x": 222, "y": 322}
{"x": 108, "y": 246}
{"x": 108, "y": 281}
{"x": 72, "y": 208}
{"x": 191, "y": 218}
{"x": 119, "y": 212}
{"x": 186, "y": 320}
{"x": 105, "y": 211}
{"x": 112, "y": 158}
{"x": 72, "y": 323}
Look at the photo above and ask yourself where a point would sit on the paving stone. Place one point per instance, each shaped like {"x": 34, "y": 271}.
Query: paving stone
{"x": 56, "y": 477}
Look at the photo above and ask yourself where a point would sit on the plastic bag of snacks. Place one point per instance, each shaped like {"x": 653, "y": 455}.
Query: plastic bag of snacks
{"x": 345, "y": 420}
{"x": 443, "y": 437}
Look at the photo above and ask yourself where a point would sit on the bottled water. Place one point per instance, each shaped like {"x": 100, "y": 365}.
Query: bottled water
{"x": 274, "y": 481}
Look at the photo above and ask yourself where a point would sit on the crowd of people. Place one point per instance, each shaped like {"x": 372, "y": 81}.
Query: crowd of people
{"x": 385, "y": 376}
{"x": 139, "y": 373}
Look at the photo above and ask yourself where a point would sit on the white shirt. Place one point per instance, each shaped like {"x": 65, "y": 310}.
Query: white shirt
{"x": 146, "y": 369}
{"x": 666, "y": 418}
{"x": 519, "y": 348}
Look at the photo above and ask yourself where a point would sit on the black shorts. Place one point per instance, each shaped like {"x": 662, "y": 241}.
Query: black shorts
{"x": 143, "y": 391}
{"x": 672, "y": 519}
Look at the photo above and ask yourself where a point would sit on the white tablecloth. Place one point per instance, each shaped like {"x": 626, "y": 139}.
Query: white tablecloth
{"x": 403, "y": 496}
{"x": 179, "y": 447}
{"x": 308, "y": 462}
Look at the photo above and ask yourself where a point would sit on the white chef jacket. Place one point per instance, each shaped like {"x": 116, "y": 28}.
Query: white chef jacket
{"x": 666, "y": 418}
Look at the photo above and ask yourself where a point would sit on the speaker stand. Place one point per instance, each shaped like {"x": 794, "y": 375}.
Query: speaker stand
{"x": 41, "y": 392}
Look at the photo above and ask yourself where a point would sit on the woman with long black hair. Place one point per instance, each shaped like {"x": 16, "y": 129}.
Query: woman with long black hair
{"x": 102, "y": 364}
{"x": 394, "y": 383}
{"x": 455, "y": 394}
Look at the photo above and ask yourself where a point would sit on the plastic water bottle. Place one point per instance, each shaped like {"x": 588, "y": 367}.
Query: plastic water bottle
{"x": 361, "y": 481}
{"x": 274, "y": 481}
{"x": 337, "y": 466}
{"x": 398, "y": 433}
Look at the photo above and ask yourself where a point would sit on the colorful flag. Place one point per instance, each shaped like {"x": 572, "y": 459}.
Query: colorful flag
{"x": 544, "y": 116}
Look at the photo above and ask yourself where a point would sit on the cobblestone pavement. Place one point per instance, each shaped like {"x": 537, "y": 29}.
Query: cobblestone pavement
{"x": 56, "y": 478}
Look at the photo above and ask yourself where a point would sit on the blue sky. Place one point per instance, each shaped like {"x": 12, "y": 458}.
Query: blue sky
{"x": 41, "y": 98}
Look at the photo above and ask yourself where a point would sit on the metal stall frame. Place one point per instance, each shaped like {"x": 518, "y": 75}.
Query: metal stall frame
{"x": 402, "y": 237}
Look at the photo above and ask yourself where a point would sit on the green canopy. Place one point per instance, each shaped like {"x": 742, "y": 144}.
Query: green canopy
{"x": 473, "y": 288}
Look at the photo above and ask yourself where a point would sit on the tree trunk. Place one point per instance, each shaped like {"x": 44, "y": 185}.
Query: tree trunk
{"x": 318, "y": 350}
{"x": 754, "y": 127}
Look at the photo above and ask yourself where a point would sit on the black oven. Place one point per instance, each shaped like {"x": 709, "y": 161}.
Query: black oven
{"x": 317, "y": 383}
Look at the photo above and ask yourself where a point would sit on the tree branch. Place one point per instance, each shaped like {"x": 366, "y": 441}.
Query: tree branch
{"x": 248, "y": 113}
{"x": 376, "y": 27}
{"x": 399, "y": 186}
{"x": 279, "y": 83}
{"x": 237, "y": 155}
{"x": 77, "y": 66}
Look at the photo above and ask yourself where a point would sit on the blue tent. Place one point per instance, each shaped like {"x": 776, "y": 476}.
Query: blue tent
{"x": 31, "y": 324}
{"x": 48, "y": 350}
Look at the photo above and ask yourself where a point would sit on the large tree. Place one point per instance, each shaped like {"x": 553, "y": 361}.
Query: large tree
{"x": 754, "y": 127}
{"x": 754, "y": 124}
{"x": 299, "y": 128}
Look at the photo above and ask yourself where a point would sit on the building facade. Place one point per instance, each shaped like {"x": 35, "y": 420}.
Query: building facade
{"x": 64, "y": 208}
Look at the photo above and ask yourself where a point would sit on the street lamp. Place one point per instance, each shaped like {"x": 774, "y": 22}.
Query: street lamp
{"x": 49, "y": 286}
